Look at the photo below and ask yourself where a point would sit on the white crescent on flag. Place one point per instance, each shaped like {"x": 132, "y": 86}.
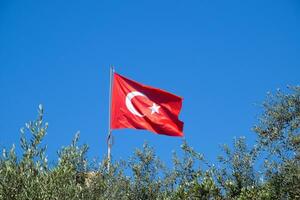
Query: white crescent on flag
{"x": 129, "y": 105}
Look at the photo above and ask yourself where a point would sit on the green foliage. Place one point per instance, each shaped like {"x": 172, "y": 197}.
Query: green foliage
{"x": 145, "y": 181}
{"x": 279, "y": 137}
{"x": 28, "y": 176}
{"x": 237, "y": 173}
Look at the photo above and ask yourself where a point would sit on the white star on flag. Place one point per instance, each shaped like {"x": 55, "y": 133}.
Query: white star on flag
{"x": 154, "y": 108}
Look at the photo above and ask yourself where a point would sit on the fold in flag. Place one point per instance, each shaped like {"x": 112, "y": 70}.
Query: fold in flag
{"x": 138, "y": 106}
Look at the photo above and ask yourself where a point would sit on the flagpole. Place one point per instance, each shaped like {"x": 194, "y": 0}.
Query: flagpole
{"x": 109, "y": 137}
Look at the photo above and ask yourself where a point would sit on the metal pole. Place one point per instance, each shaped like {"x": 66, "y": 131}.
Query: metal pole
{"x": 109, "y": 137}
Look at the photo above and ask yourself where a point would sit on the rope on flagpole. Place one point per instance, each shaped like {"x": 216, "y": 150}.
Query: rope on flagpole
{"x": 109, "y": 136}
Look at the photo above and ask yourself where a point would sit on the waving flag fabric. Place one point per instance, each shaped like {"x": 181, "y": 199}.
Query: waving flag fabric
{"x": 138, "y": 106}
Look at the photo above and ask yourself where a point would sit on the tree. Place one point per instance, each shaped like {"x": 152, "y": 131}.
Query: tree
{"x": 144, "y": 176}
{"x": 237, "y": 173}
{"x": 279, "y": 138}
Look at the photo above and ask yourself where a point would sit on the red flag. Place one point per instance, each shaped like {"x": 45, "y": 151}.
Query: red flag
{"x": 138, "y": 106}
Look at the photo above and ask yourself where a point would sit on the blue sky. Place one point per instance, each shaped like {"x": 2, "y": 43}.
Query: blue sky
{"x": 221, "y": 56}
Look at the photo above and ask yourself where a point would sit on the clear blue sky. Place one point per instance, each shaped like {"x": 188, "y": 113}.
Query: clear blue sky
{"x": 221, "y": 56}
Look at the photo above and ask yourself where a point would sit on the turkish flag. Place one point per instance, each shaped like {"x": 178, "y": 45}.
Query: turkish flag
{"x": 138, "y": 106}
